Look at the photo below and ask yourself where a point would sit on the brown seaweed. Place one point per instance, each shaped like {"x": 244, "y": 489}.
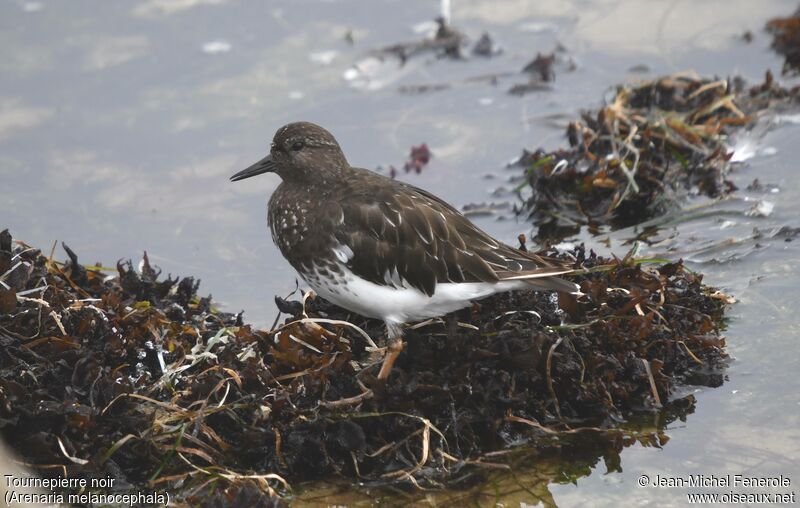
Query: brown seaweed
{"x": 641, "y": 155}
{"x": 135, "y": 376}
{"x": 786, "y": 40}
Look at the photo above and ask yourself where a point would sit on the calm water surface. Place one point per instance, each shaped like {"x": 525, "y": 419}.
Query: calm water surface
{"x": 120, "y": 123}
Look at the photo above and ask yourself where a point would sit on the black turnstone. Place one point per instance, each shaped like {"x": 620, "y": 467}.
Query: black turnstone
{"x": 383, "y": 248}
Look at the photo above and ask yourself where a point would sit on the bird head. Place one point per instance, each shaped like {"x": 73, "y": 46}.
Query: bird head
{"x": 300, "y": 152}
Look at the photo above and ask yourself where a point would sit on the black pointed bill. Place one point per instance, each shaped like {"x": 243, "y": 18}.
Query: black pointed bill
{"x": 265, "y": 165}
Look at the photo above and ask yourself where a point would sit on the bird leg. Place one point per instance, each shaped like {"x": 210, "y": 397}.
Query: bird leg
{"x": 451, "y": 325}
{"x": 452, "y": 328}
{"x": 393, "y": 349}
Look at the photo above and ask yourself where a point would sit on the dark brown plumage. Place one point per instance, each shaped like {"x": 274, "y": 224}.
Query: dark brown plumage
{"x": 389, "y": 225}
{"x": 380, "y": 247}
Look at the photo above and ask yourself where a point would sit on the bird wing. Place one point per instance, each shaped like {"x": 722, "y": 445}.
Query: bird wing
{"x": 403, "y": 236}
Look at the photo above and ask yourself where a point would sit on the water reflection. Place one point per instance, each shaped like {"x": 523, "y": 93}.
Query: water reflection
{"x": 521, "y": 475}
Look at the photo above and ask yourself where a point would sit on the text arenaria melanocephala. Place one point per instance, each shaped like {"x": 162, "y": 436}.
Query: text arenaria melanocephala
{"x": 383, "y": 248}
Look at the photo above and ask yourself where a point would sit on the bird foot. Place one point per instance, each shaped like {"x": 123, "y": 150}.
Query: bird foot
{"x": 392, "y": 352}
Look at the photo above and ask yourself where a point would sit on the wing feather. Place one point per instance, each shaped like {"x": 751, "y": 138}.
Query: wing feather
{"x": 402, "y": 235}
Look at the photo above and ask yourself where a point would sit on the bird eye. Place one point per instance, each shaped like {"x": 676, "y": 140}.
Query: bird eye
{"x": 298, "y": 145}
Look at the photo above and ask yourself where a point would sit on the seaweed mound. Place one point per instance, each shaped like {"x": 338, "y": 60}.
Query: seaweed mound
{"x": 135, "y": 377}
{"x": 639, "y": 156}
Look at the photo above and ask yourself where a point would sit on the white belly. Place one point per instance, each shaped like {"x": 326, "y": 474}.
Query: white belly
{"x": 401, "y": 305}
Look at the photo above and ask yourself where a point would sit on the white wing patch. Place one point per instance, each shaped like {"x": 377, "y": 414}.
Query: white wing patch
{"x": 343, "y": 253}
{"x": 392, "y": 278}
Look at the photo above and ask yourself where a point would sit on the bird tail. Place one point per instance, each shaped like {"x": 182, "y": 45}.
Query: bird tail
{"x": 553, "y": 284}
{"x": 544, "y": 279}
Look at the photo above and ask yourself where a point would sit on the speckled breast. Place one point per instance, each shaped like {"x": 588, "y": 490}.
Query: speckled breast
{"x": 302, "y": 232}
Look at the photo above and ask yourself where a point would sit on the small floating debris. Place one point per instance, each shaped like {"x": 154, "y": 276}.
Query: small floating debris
{"x": 419, "y": 157}
{"x": 538, "y": 27}
{"x": 485, "y": 209}
{"x": 387, "y": 64}
{"x": 423, "y": 88}
{"x": 757, "y": 186}
{"x": 323, "y": 57}
{"x": 541, "y": 67}
{"x": 486, "y": 47}
{"x": 788, "y": 118}
{"x": 32, "y": 6}
{"x": 541, "y": 71}
{"x": 442, "y": 40}
{"x": 217, "y": 47}
{"x": 761, "y": 208}
{"x": 640, "y": 68}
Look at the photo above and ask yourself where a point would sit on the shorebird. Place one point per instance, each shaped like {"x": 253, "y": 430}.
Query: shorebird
{"x": 383, "y": 248}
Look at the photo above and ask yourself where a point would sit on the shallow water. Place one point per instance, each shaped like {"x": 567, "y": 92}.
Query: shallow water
{"x": 121, "y": 122}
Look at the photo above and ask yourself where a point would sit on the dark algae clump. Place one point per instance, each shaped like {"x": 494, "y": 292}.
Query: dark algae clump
{"x": 639, "y": 156}
{"x": 786, "y": 40}
{"x": 135, "y": 376}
